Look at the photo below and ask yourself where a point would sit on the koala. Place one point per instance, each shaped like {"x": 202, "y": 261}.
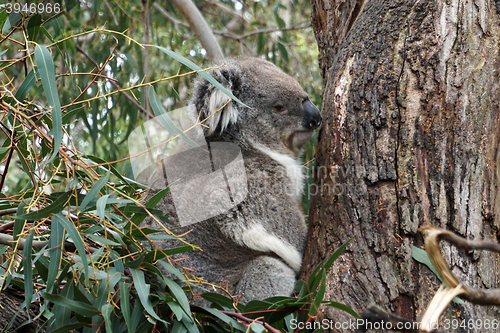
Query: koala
{"x": 256, "y": 246}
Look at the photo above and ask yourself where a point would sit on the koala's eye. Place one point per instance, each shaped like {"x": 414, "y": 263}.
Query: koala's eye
{"x": 279, "y": 108}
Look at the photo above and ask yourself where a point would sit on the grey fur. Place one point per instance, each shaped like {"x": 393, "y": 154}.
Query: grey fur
{"x": 256, "y": 246}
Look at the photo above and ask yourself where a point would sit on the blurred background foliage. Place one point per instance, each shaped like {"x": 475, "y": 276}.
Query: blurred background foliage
{"x": 73, "y": 87}
{"x": 278, "y": 30}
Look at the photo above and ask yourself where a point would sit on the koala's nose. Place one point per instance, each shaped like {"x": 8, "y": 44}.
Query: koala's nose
{"x": 312, "y": 117}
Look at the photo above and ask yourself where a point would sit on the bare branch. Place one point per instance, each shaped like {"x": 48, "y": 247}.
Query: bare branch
{"x": 169, "y": 17}
{"x": 9, "y": 240}
{"x": 8, "y": 211}
{"x": 262, "y": 31}
{"x": 432, "y": 237}
{"x": 238, "y": 19}
{"x": 200, "y": 28}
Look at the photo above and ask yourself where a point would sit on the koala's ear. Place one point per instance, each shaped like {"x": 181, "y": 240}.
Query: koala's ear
{"x": 210, "y": 101}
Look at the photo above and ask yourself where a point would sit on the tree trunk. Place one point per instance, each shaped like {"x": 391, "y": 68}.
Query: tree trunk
{"x": 410, "y": 137}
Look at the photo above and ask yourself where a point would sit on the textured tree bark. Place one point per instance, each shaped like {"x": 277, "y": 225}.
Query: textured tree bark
{"x": 411, "y": 133}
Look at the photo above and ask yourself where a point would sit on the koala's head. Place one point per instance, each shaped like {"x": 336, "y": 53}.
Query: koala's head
{"x": 280, "y": 116}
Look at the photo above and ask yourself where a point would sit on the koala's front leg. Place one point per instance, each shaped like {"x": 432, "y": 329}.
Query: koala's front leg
{"x": 264, "y": 277}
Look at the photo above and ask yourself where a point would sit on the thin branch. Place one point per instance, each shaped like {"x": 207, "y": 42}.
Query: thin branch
{"x": 9, "y": 240}
{"x": 169, "y": 17}
{"x": 200, "y": 28}
{"x": 117, "y": 86}
{"x": 112, "y": 12}
{"x": 263, "y": 31}
{"x": 145, "y": 55}
{"x": 248, "y": 320}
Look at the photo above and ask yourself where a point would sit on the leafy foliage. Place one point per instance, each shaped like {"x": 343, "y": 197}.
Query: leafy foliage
{"x": 71, "y": 94}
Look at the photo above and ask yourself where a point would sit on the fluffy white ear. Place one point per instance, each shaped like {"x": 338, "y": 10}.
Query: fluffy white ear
{"x": 218, "y": 115}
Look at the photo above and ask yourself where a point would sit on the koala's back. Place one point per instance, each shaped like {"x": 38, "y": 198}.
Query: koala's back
{"x": 265, "y": 232}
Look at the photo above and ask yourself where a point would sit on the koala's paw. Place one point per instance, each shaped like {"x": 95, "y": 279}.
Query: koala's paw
{"x": 265, "y": 277}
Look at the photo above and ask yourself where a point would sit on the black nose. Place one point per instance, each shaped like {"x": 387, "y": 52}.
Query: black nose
{"x": 312, "y": 117}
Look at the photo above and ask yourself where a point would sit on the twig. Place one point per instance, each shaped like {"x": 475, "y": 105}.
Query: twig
{"x": 474, "y": 295}
{"x": 145, "y": 52}
{"x": 9, "y": 240}
{"x": 262, "y": 31}
{"x": 124, "y": 93}
{"x": 169, "y": 17}
{"x": 248, "y": 320}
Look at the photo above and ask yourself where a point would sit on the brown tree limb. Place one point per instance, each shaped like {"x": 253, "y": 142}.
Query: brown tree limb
{"x": 7, "y": 211}
{"x": 9, "y": 240}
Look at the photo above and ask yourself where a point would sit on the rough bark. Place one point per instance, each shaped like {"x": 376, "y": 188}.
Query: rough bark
{"x": 411, "y": 131}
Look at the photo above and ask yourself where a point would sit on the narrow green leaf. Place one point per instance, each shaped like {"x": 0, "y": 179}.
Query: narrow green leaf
{"x": 422, "y": 257}
{"x": 94, "y": 191}
{"x": 165, "y": 119}
{"x": 335, "y": 255}
{"x": 77, "y": 239}
{"x": 191, "y": 327}
{"x": 112, "y": 168}
{"x": 25, "y": 87}
{"x": 56, "y": 242}
{"x": 62, "y": 314}
{"x": 176, "y": 309}
{"x": 70, "y": 114}
{"x": 68, "y": 328}
{"x": 179, "y": 328}
{"x": 204, "y": 74}
{"x": 152, "y": 202}
{"x": 319, "y": 296}
{"x": 34, "y": 26}
{"x": 56, "y": 207}
{"x": 46, "y": 70}
{"x": 283, "y": 52}
{"x": 225, "y": 318}
{"x": 101, "y": 206}
{"x": 179, "y": 296}
{"x": 125, "y": 306}
{"x": 28, "y": 269}
{"x": 137, "y": 316}
{"x": 343, "y": 307}
{"x": 19, "y": 225}
{"x": 12, "y": 20}
{"x": 3, "y": 16}
{"x": 103, "y": 240}
{"x": 107, "y": 310}
{"x": 76, "y": 306}
{"x": 326, "y": 264}
{"x": 143, "y": 291}
{"x": 219, "y": 299}
{"x": 255, "y": 305}
{"x": 172, "y": 270}
{"x": 134, "y": 264}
